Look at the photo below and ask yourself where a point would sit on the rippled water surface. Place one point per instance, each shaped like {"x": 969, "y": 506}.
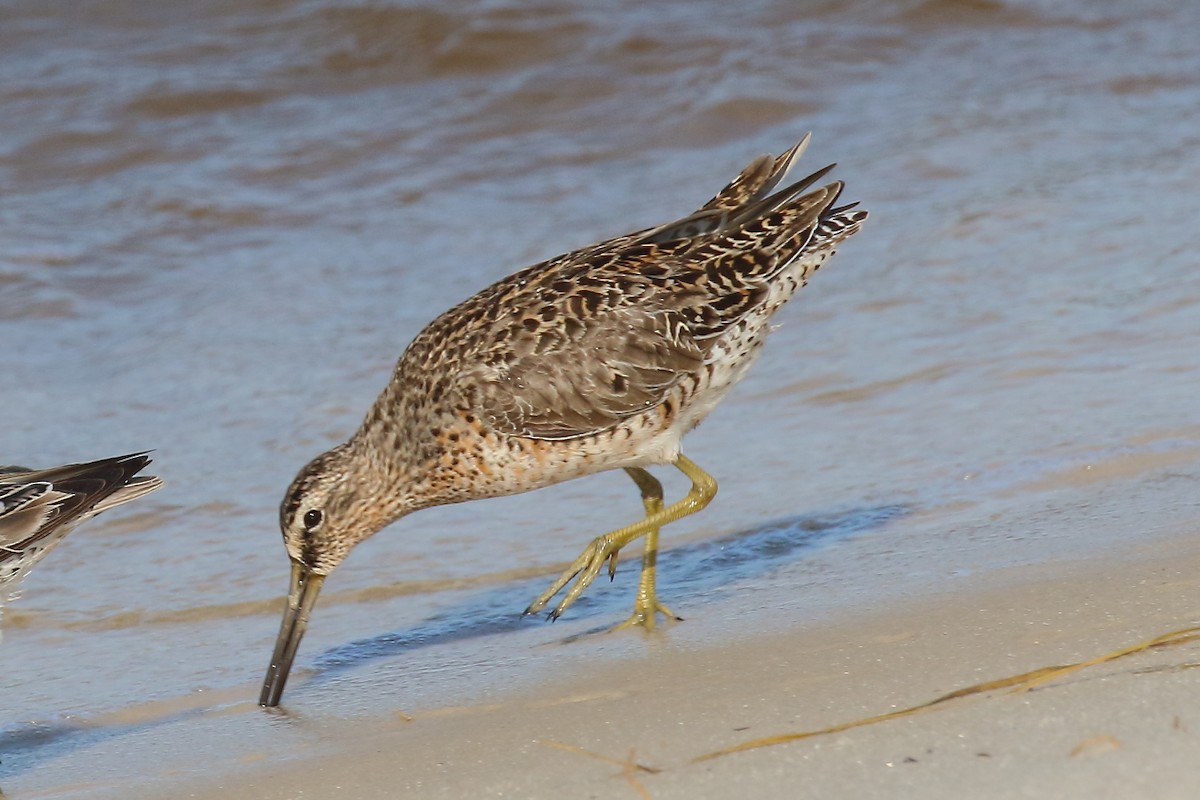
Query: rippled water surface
{"x": 220, "y": 223}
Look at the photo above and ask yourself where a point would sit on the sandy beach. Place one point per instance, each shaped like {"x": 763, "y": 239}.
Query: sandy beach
{"x": 1123, "y": 729}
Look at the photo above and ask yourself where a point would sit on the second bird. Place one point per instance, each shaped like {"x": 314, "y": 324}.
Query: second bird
{"x": 38, "y": 508}
{"x": 599, "y": 359}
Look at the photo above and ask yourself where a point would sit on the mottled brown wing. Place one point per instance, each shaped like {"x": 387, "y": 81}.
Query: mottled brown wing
{"x": 613, "y": 365}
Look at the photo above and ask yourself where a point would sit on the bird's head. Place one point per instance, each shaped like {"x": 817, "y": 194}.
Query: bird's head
{"x": 329, "y": 508}
{"x": 334, "y": 503}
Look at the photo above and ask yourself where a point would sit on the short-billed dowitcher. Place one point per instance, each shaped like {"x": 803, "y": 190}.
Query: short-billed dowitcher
{"x": 39, "y": 507}
{"x": 599, "y": 359}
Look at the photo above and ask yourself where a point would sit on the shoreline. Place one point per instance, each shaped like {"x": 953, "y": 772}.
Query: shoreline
{"x": 1123, "y": 725}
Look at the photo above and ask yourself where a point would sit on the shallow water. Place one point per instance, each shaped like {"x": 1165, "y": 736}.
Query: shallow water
{"x": 221, "y": 223}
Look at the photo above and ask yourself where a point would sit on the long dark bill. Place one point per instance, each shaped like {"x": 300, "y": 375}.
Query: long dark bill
{"x": 306, "y": 585}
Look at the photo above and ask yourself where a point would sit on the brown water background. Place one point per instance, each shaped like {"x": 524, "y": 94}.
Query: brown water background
{"x": 221, "y": 222}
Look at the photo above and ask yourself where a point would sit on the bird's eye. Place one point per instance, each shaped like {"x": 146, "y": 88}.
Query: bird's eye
{"x": 312, "y": 518}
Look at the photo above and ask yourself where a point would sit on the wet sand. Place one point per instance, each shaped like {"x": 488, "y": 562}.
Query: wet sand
{"x": 1124, "y": 729}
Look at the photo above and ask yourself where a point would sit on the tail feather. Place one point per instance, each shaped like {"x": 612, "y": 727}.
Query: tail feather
{"x": 758, "y": 179}
{"x": 786, "y": 199}
{"x": 835, "y": 226}
{"x": 769, "y": 236}
{"x": 746, "y": 197}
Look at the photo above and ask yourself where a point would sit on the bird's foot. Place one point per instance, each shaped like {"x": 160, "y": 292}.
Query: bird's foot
{"x": 586, "y": 567}
{"x": 645, "y": 613}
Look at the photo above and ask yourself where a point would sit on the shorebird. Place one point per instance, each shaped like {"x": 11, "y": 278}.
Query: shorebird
{"x": 599, "y": 359}
{"x": 40, "y": 507}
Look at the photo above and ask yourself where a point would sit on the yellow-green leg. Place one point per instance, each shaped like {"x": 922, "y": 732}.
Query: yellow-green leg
{"x": 652, "y": 501}
{"x": 646, "y": 607}
{"x": 602, "y": 548}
